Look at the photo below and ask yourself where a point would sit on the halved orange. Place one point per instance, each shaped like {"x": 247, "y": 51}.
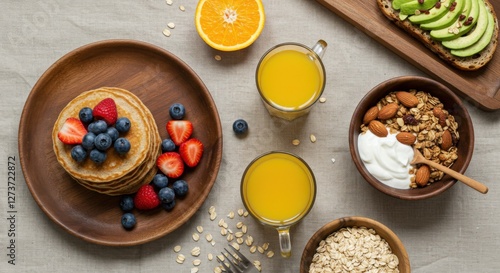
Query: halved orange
{"x": 229, "y": 25}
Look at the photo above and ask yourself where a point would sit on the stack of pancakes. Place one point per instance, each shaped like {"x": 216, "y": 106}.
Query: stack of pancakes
{"x": 118, "y": 174}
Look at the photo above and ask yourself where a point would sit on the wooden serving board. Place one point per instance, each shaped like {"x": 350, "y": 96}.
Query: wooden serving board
{"x": 481, "y": 87}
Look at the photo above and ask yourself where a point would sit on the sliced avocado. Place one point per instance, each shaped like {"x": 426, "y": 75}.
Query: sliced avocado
{"x": 458, "y": 28}
{"x": 448, "y": 18}
{"x": 434, "y": 13}
{"x": 409, "y": 8}
{"x": 483, "y": 42}
{"x": 396, "y": 4}
{"x": 475, "y": 34}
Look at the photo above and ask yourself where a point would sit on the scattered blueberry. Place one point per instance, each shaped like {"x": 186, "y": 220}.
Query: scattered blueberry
{"x": 160, "y": 181}
{"x": 240, "y": 126}
{"x": 127, "y": 202}
{"x": 177, "y": 111}
{"x": 180, "y": 188}
{"x": 97, "y": 156}
{"x": 167, "y": 145}
{"x": 122, "y": 145}
{"x": 97, "y": 127}
{"x": 78, "y": 153}
{"x": 85, "y": 115}
{"x": 166, "y": 195}
{"x": 113, "y": 133}
{"x": 88, "y": 141}
{"x": 168, "y": 206}
{"x": 122, "y": 125}
{"x": 128, "y": 220}
{"x": 103, "y": 141}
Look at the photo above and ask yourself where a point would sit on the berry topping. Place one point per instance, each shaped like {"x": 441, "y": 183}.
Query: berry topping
{"x": 103, "y": 141}
{"x": 166, "y": 195}
{"x": 177, "y": 111}
{"x": 106, "y": 110}
{"x": 78, "y": 153}
{"x": 97, "y": 156}
{"x": 72, "y": 131}
{"x": 146, "y": 198}
{"x": 88, "y": 141}
{"x": 168, "y": 206}
{"x": 113, "y": 133}
{"x": 240, "y": 126}
{"x": 167, "y": 145}
{"x": 170, "y": 164}
{"x": 179, "y": 130}
{"x": 191, "y": 152}
{"x": 98, "y": 126}
{"x": 123, "y": 125}
{"x": 160, "y": 181}
{"x": 128, "y": 220}
{"x": 85, "y": 115}
{"x": 180, "y": 188}
{"x": 122, "y": 145}
{"x": 127, "y": 202}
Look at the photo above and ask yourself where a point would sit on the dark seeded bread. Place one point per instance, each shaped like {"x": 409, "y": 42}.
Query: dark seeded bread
{"x": 469, "y": 63}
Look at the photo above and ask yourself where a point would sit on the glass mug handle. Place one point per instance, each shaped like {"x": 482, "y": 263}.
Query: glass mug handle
{"x": 319, "y": 48}
{"x": 285, "y": 242}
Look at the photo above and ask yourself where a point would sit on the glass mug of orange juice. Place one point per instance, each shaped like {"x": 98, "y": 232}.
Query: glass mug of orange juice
{"x": 278, "y": 189}
{"x": 290, "y": 78}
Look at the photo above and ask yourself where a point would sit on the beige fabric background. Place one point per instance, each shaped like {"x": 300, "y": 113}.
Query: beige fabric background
{"x": 455, "y": 232}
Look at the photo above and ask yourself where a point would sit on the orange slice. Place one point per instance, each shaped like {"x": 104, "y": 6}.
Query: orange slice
{"x": 229, "y": 25}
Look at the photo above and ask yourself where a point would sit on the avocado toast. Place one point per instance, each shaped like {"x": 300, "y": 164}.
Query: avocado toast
{"x": 464, "y": 33}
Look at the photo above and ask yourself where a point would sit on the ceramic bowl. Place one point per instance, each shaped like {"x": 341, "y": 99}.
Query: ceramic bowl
{"x": 385, "y": 233}
{"x": 451, "y": 102}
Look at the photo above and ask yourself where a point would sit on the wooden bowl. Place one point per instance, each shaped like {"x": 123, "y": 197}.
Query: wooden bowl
{"x": 451, "y": 102}
{"x": 396, "y": 245}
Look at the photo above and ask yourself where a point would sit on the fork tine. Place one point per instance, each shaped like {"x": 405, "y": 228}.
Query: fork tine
{"x": 232, "y": 263}
{"x": 224, "y": 265}
{"x": 241, "y": 256}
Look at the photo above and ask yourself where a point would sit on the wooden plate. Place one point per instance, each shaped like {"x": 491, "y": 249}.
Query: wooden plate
{"x": 480, "y": 87}
{"x": 159, "y": 79}
{"x": 388, "y": 235}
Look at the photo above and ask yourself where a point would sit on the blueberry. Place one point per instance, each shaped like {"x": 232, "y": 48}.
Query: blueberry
{"x": 78, "y": 153}
{"x": 88, "y": 141}
{"x": 160, "y": 181}
{"x": 97, "y": 127}
{"x": 240, "y": 126}
{"x": 180, "y": 188}
{"x": 113, "y": 133}
{"x": 166, "y": 195}
{"x": 122, "y": 145}
{"x": 85, "y": 115}
{"x": 122, "y": 125}
{"x": 168, "y": 206}
{"x": 127, "y": 202}
{"x": 128, "y": 220}
{"x": 102, "y": 141}
{"x": 177, "y": 111}
{"x": 167, "y": 145}
{"x": 97, "y": 156}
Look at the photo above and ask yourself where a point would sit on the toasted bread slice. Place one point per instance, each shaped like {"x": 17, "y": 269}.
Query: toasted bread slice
{"x": 463, "y": 63}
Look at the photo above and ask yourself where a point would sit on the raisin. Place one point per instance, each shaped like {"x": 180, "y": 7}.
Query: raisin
{"x": 410, "y": 120}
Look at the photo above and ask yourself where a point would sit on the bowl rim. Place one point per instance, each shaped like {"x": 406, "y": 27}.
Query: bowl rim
{"x": 391, "y": 84}
{"x": 349, "y": 221}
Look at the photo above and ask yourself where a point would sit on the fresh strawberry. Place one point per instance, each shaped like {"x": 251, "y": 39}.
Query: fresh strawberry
{"x": 106, "y": 110}
{"x": 72, "y": 131}
{"x": 146, "y": 198}
{"x": 171, "y": 164}
{"x": 191, "y": 152}
{"x": 179, "y": 130}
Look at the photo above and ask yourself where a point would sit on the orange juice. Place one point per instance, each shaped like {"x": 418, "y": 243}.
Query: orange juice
{"x": 278, "y": 188}
{"x": 290, "y": 78}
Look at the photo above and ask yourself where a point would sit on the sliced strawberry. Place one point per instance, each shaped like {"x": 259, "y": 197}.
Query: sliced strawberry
{"x": 106, "y": 110}
{"x": 146, "y": 198}
{"x": 191, "y": 152}
{"x": 72, "y": 131}
{"x": 170, "y": 164}
{"x": 179, "y": 130}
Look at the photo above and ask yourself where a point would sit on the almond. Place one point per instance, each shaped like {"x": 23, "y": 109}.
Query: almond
{"x": 441, "y": 115}
{"x": 407, "y": 99}
{"x": 446, "y": 140}
{"x": 406, "y": 138}
{"x": 388, "y": 111}
{"x": 377, "y": 128}
{"x": 370, "y": 115}
{"x": 422, "y": 175}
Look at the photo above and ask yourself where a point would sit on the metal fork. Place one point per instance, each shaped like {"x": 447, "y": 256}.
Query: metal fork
{"x": 237, "y": 262}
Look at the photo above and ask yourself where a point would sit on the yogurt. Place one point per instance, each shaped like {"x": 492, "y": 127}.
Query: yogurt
{"x": 386, "y": 159}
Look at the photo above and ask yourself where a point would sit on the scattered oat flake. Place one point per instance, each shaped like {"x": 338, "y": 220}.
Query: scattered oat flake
{"x": 270, "y": 254}
{"x": 312, "y": 138}
{"x": 194, "y": 270}
{"x": 169, "y": 2}
{"x": 166, "y": 32}
{"x": 217, "y": 270}
{"x": 333, "y": 160}
{"x": 196, "y": 251}
{"x": 211, "y": 210}
{"x": 260, "y": 249}
{"x": 171, "y": 25}
{"x": 182, "y": 8}
{"x": 210, "y": 256}
{"x": 177, "y": 249}
{"x": 265, "y": 246}
{"x": 197, "y": 262}
{"x": 236, "y": 246}
{"x": 231, "y": 215}
{"x": 217, "y": 57}
{"x": 196, "y": 237}
{"x": 209, "y": 237}
{"x": 253, "y": 249}
{"x": 213, "y": 216}
{"x": 199, "y": 229}
{"x": 322, "y": 99}
{"x": 295, "y": 142}
{"x": 240, "y": 212}
{"x": 180, "y": 259}
{"x": 245, "y": 214}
